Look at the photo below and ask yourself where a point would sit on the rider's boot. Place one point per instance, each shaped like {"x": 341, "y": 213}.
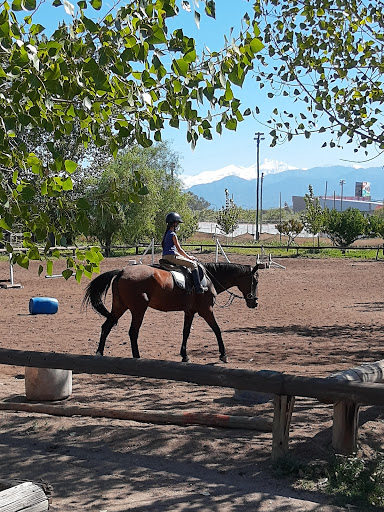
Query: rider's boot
{"x": 196, "y": 282}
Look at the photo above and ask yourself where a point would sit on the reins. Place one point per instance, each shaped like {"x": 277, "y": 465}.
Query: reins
{"x": 232, "y": 295}
{"x": 231, "y": 298}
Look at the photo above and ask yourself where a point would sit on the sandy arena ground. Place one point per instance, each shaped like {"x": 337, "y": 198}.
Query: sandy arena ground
{"x": 314, "y": 318}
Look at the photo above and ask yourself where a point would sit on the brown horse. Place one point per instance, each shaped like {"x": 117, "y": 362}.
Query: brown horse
{"x": 138, "y": 287}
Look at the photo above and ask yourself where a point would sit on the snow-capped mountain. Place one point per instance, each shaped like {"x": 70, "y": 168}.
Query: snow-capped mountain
{"x": 245, "y": 173}
{"x": 281, "y": 182}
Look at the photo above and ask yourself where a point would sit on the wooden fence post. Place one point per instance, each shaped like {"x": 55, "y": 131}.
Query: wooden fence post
{"x": 346, "y": 412}
{"x": 283, "y": 407}
{"x": 344, "y": 430}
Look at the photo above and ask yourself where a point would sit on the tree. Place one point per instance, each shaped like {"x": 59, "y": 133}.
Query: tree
{"x": 128, "y": 68}
{"x": 228, "y": 216}
{"x": 291, "y": 228}
{"x": 343, "y": 228}
{"x": 197, "y": 203}
{"x": 106, "y": 198}
{"x": 114, "y": 216}
{"x": 313, "y": 216}
{"x": 375, "y": 226}
{"x": 329, "y": 55}
{"x": 379, "y": 212}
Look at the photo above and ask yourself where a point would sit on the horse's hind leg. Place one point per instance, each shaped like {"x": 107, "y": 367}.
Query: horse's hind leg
{"x": 118, "y": 309}
{"x": 105, "y": 330}
{"x": 188, "y": 318}
{"x": 137, "y": 320}
{"x": 211, "y": 321}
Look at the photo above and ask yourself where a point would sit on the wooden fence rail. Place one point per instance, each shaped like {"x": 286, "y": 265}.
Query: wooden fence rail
{"x": 211, "y": 247}
{"x": 262, "y": 381}
{"x": 283, "y": 386}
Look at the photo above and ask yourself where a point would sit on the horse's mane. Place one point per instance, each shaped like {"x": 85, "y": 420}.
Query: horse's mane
{"x": 223, "y": 268}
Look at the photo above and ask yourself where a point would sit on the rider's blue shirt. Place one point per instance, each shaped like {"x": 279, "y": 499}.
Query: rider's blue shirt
{"x": 169, "y": 246}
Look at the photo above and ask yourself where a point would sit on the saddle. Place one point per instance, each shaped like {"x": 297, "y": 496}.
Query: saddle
{"x": 182, "y": 276}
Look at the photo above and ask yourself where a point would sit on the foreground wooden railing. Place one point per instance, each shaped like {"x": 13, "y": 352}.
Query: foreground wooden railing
{"x": 283, "y": 386}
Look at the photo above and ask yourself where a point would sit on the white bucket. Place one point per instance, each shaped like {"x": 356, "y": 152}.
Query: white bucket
{"x": 47, "y": 383}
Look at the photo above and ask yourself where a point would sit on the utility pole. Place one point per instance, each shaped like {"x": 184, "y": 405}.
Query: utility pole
{"x": 280, "y": 213}
{"x": 258, "y": 138}
{"x": 261, "y": 202}
{"x": 341, "y": 198}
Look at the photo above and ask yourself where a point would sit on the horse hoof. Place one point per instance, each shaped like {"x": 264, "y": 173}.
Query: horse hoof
{"x": 185, "y": 360}
{"x": 98, "y": 353}
{"x": 224, "y": 359}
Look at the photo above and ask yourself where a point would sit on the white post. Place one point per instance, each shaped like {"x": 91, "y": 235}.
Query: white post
{"x": 11, "y": 269}
{"x": 150, "y": 246}
{"x": 217, "y": 246}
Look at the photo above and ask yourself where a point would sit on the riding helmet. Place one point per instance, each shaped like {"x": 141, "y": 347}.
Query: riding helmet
{"x": 173, "y": 217}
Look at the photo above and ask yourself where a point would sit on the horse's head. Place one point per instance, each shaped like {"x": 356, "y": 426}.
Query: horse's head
{"x": 249, "y": 288}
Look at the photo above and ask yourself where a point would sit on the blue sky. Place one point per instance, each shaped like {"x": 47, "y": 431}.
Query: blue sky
{"x": 238, "y": 148}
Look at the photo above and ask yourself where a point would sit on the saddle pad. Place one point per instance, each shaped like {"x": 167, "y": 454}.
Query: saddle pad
{"x": 179, "y": 279}
{"x": 182, "y": 276}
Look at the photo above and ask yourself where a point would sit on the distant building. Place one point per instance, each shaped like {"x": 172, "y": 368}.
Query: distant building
{"x": 336, "y": 203}
{"x": 361, "y": 201}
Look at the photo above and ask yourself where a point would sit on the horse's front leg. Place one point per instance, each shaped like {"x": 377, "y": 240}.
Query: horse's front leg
{"x": 137, "y": 320}
{"x": 188, "y": 318}
{"x": 211, "y": 321}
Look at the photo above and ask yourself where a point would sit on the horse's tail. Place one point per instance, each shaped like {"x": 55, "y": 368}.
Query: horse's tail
{"x": 97, "y": 290}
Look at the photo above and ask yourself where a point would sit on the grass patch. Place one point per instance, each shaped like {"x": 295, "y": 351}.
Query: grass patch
{"x": 349, "y": 480}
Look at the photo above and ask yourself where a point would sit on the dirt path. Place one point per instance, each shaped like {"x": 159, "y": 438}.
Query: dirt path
{"x": 314, "y": 318}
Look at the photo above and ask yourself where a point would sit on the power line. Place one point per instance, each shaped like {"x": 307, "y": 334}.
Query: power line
{"x": 258, "y": 137}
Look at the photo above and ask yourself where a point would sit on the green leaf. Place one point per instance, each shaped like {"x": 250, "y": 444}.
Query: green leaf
{"x": 256, "y": 45}
{"x": 70, "y": 166}
{"x": 231, "y": 124}
{"x": 210, "y": 8}
{"x": 4, "y": 225}
{"x": 157, "y": 36}
{"x": 180, "y": 67}
{"x": 237, "y": 75}
{"x": 228, "y": 92}
{"x": 96, "y": 4}
{"x": 92, "y": 257}
{"x": 67, "y": 184}
{"x": 144, "y": 191}
{"x": 49, "y": 267}
{"x": 190, "y": 56}
{"x": 83, "y": 204}
{"x": 67, "y": 273}
{"x": 36, "y": 29}
{"x": 22, "y": 260}
{"x": 29, "y": 5}
{"x": 79, "y": 275}
{"x": 16, "y": 5}
{"x": 33, "y": 253}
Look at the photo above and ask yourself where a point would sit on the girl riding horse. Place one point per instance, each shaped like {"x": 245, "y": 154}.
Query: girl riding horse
{"x": 175, "y": 254}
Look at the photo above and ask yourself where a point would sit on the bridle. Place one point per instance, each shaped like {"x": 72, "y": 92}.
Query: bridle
{"x": 231, "y": 295}
{"x": 252, "y": 295}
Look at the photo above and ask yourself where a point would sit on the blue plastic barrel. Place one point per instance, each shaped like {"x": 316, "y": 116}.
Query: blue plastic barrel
{"x": 43, "y": 306}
